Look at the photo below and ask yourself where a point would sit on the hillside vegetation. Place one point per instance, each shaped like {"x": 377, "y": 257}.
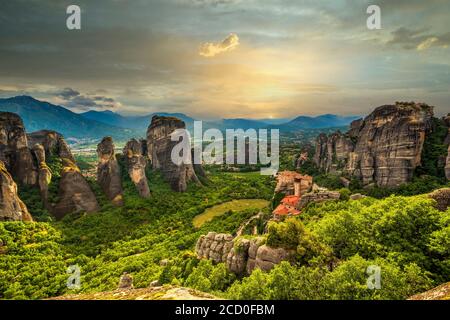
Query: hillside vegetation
{"x": 153, "y": 239}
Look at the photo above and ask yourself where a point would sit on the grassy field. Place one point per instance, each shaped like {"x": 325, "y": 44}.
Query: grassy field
{"x": 234, "y": 205}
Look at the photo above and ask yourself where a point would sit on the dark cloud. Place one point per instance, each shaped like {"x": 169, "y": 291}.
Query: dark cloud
{"x": 418, "y": 39}
{"x": 67, "y": 93}
{"x": 73, "y": 99}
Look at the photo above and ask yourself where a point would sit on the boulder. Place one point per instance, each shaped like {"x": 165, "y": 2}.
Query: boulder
{"x": 11, "y": 207}
{"x": 357, "y": 196}
{"x": 136, "y": 163}
{"x": 159, "y": 147}
{"x": 267, "y": 257}
{"x": 14, "y": 151}
{"x": 75, "y": 194}
{"x": 442, "y": 197}
{"x": 108, "y": 171}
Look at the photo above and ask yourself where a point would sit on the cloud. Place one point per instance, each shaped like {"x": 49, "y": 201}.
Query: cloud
{"x": 210, "y": 49}
{"x": 67, "y": 93}
{"x": 418, "y": 39}
{"x": 73, "y": 99}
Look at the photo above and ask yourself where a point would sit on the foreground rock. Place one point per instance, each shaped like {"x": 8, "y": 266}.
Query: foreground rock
{"x": 384, "y": 148}
{"x": 11, "y": 207}
{"x": 75, "y": 194}
{"x": 136, "y": 164}
{"x": 152, "y": 293}
{"x": 160, "y": 145}
{"x": 240, "y": 256}
{"x": 14, "y": 151}
{"x": 108, "y": 172}
{"x": 441, "y": 292}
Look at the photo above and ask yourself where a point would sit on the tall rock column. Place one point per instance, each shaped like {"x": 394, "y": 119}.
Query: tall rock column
{"x": 75, "y": 194}
{"x": 160, "y": 145}
{"x": 136, "y": 164}
{"x": 447, "y": 165}
{"x": 108, "y": 172}
{"x": 11, "y": 207}
{"x": 14, "y": 151}
{"x": 45, "y": 175}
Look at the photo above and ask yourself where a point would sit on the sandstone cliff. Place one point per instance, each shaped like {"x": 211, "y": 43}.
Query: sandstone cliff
{"x": 159, "y": 146}
{"x": 108, "y": 171}
{"x": 240, "y": 255}
{"x": 52, "y": 142}
{"x": 11, "y": 207}
{"x": 136, "y": 163}
{"x": 447, "y": 165}
{"x": 384, "y": 148}
{"x": 14, "y": 151}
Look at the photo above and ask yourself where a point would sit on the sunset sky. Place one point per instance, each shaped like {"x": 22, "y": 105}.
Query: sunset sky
{"x": 227, "y": 58}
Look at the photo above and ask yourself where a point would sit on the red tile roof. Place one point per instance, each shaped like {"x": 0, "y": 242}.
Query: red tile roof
{"x": 290, "y": 200}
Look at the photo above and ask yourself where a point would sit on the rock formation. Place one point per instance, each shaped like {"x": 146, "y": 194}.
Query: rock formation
{"x": 75, "y": 194}
{"x": 45, "y": 175}
{"x": 160, "y": 145}
{"x": 240, "y": 256}
{"x": 53, "y": 143}
{"x": 384, "y": 148}
{"x": 108, "y": 171}
{"x": 14, "y": 151}
{"x": 136, "y": 164}
{"x": 11, "y": 207}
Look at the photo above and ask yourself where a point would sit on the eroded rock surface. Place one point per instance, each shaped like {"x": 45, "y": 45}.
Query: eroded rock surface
{"x": 11, "y": 207}
{"x": 108, "y": 171}
{"x": 160, "y": 145}
{"x": 52, "y": 142}
{"x": 136, "y": 163}
{"x": 45, "y": 174}
{"x": 384, "y": 148}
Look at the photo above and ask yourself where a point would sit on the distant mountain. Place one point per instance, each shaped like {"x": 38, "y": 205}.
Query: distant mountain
{"x": 139, "y": 123}
{"x": 38, "y": 115}
{"x": 322, "y": 121}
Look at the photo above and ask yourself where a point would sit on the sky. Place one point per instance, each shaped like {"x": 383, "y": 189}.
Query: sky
{"x": 227, "y": 58}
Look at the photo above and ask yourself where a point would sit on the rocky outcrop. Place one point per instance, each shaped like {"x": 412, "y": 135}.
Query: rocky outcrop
{"x": 14, "y": 151}
{"x": 441, "y": 292}
{"x": 240, "y": 255}
{"x": 11, "y": 207}
{"x": 52, "y": 142}
{"x": 384, "y": 148}
{"x": 108, "y": 172}
{"x": 160, "y": 145}
{"x": 136, "y": 163}
{"x": 75, "y": 194}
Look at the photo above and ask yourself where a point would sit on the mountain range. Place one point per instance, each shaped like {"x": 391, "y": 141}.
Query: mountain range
{"x": 38, "y": 115}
